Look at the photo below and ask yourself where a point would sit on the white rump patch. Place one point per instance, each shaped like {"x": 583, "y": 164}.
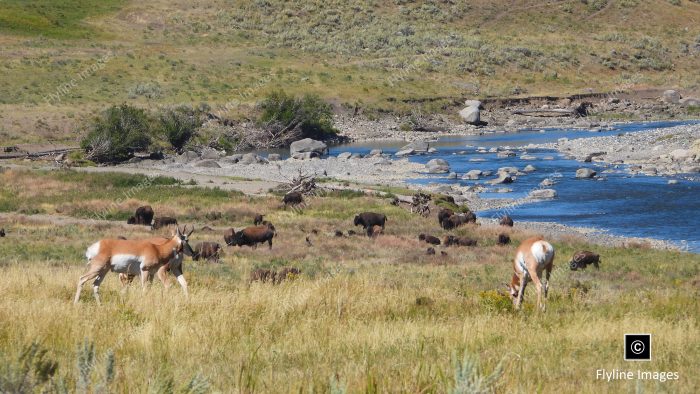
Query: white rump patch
{"x": 520, "y": 260}
{"x": 542, "y": 251}
{"x": 93, "y": 250}
{"x": 126, "y": 264}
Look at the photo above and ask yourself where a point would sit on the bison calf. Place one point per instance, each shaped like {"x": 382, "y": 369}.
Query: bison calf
{"x": 258, "y": 219}
{"x": 288, "y": 273}
{"x": 503, "y": 239}
{"x": 584, "y": 258}
{"x": 429, "y": 239}
{"x": 163, "y": 221}
{"x": 208, "y": 251}
{"x": 375, "y": 231}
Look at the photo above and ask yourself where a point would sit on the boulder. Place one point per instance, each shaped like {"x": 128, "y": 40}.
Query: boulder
{"x": 274, "y": 157}
{"x": 547, "y": 183}
{"x": 375, "y": 152}
{"x": 502, "y": 178}
{"x": 344, "y": 155}
{"x": 432, "y": 150}
{"x": 506, "y": 153}
{"x": 211, "y": 154}
{"x": 472, "y": 175}
{"x": 672, "y": 181}
{"x": 405, "y": 152}
{"x": 417, "y": 147}
{"x": 671, "y": 97}
{"x": 471, "y": 115}
{"x": 529, "y": 168}
{"x": 585, "y": 173}
{"x": 308, "y": 145}
{"x": 543, "y": 193}
{"x": 680, "y": 154}
{"x": 437, "y": 166}
{"x": 453, "y": 175}
{"x": 508, "y": 170}
{"x": 251, "y": 158}
{"x": 474, "y": 103}
{"x": 356, "y": 156}
{"x": 207, "y": 164}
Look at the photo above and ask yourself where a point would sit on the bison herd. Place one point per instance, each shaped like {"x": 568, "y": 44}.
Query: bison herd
{"x": 263, "y": 231}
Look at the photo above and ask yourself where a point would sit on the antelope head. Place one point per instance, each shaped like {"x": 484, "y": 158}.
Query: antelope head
{"x": 183, "y": 241}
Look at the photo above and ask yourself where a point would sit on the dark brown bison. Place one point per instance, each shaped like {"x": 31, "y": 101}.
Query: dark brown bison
{"x": 375, "y": 231}
{"x": 369, "y": 219}
{"x": 452, "y": 240}
{"x": 258, "y": 219}
{"x": 351, "y": 232}
{"x": 503, "y": 239}
{"x": 584, "y": 258}
{"x": 143, "y": 216}
{"x": 163, "y": 221}
{"x": 293, "y": 199}
{"x": 430, "y": 251}
{"x": 252, "y": 236}
{"x": 506, "y": 221}
{"x": 262, "y": 275}
{"x": 2, "y": 232}
{"x": 443, "y": 214}
{"x": 287, "y": 273}
{"x": 458, "y": 219}
{"x": 429, "y": 239}
{"x": 338, "y": 233}
{"x": 208, "y": 251}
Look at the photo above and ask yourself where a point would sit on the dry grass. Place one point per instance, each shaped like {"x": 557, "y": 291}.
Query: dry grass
{"x": 365, "y": 315}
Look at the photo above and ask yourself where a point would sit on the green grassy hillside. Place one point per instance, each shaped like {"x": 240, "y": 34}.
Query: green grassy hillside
{"x": 381, "y": 55}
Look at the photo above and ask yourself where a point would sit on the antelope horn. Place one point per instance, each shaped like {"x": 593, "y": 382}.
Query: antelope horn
{"x": 191, "y": 231}
{"x": 178, "y": 230}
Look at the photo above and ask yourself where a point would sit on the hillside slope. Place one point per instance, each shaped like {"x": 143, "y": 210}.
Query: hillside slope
{"x": 383, "y": 55}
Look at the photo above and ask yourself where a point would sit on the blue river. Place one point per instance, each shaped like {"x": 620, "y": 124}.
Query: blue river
{"x": 638, "y": 206}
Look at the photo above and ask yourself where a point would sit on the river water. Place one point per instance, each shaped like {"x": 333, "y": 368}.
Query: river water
{"x": 639, "y": 206}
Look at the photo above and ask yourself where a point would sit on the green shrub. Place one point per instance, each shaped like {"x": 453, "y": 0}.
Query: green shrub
{"x": 309, "y": 114}
{"x": 117, "y": 134}
{"x": 178, "y": 125}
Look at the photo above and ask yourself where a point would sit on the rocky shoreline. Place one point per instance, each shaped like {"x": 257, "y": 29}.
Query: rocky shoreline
{"x": 667, "y": 151}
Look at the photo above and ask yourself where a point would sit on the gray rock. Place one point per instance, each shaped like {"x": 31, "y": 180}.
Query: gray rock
{"x": 437, "y": 166}
{"x": 543, "y": 193}
{"x": 274, "y": 157}
{"x": 474, "y": 103}
{"x": 233, "y": 158}
{"x": 375, "y": 152}
{"x": 472, "y": 175}
{"x": 432, "y": 150}
{"x": 453, "y": 175}
{"x": 508, "y": 170}
{"x": 680, "y": 154}
{"x": 585, "y": 173}
{"x": 251, "y": 158}
{"x": 503, "y": 190}
{"x": 672, "y": 181}
{"x": 502, "y": 178}
{"x": 529, "y": 168}
{"x": 211, "y": 154}
{"x": 528, "y": 157}
{"x": 487, "y": 173}
{"x": 405, "y": 152}
{"x": 356, "y": 156}
{"x": 547, "y": 183}
{"x": 344, "y": 155}
{"x": 417, "y": 147}
{"x": 671, "y": 97}
{"x": 207, "y": 164}
{"x": 308, "y": 145}
{"x": 471, "y": 115}
{"x": 506, "y": 153}
{"x": 477, "y": 160}
{"x": 187, "y": 157}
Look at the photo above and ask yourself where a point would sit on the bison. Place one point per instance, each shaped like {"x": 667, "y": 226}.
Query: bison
{"x": 451, "y": 240}
{"x": 252, "y": 236}
{"x": 262, "y": 275}
{"x": 506, "y": 221}
{"x": 338, "y": 233}
{"x": 293, "y": 199}
{"x": 143, "y": 216}
{"x": 228, "y": 236}
{"x": 584, "y": 258}
{"x": 429, "y": 239}
{"x": 163, "y": 221}
{"x": 444, "y": 214}
{"x": 430, "y": 251}
{"x": 503, "y": 239}
{"x": 458, "y": 219}
{"x": 286, "y": 273}
{"x": 258, "y": 219}
{"x": 208, "y": 251}
{"x": 369, "y": 219}
{"x": 2, "y": 232}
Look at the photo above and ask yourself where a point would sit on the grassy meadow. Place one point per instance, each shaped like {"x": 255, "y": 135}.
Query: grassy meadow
{"x": 378, "y": 56}
{"x": 364, "y": 316}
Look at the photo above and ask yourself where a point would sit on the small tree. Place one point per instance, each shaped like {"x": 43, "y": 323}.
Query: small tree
{"x": 178, "y": 125}
{"x": 117, "y": 134}
{"x": 308, "y": 116}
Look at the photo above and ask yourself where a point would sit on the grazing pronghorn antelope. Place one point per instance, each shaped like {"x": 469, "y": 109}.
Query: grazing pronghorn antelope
{"x": 533, "y": 256}
{"x": 136, "y": 257}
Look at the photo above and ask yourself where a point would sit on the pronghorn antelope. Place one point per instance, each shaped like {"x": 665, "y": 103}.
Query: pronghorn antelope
{"x": 136, "y": 257}
{"x": 533, "y": 256}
